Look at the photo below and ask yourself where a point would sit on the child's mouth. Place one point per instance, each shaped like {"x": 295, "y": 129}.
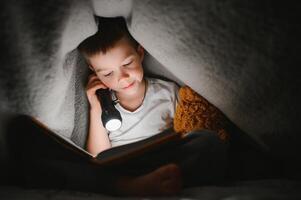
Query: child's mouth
{"x": 130, "y": 85}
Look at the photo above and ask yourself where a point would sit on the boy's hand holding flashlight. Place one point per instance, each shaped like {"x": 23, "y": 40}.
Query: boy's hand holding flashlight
{"x": 102, "y": 105}
{"x": 94, "y": 84}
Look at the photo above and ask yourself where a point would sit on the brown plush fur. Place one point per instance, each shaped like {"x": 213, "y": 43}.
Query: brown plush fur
{"x": 194, "y": 112}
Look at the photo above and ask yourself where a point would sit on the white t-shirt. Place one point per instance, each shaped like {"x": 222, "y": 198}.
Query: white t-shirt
{"x": 152, "y": 117}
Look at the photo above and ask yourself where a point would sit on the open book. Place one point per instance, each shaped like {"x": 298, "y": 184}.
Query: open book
{"x": 113, "y": 156}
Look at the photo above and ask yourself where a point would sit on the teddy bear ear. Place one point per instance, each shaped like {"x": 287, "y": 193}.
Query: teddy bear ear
{"x": 187, "y": 94}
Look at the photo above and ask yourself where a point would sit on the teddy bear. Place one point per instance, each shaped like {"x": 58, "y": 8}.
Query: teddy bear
{"x": 194, "y": 112}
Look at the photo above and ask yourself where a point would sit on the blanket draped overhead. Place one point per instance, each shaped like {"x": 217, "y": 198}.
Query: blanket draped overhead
{"x": 241, "y": 56}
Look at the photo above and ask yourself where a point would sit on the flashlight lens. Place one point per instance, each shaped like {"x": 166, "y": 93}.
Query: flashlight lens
{"x": 113, "y": 124}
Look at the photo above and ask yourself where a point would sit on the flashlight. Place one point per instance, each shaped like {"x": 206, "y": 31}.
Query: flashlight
{"x": 111, "y": 118}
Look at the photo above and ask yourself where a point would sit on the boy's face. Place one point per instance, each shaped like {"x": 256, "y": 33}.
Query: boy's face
{"x": 120, "y": 68}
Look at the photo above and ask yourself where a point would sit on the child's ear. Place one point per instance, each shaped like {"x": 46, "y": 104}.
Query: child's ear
{"x": 140, "y": 51}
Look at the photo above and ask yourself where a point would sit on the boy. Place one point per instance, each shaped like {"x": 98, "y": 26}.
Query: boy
{"x": 147, "y": 107}
{"x": 116, "y": 60}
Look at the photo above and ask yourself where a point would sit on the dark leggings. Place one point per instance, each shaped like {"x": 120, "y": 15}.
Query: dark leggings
{"x": 40, "y": 161}
{"x": 201, "y": 156}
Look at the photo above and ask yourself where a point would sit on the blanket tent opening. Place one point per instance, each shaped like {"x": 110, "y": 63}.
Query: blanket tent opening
{"x": 242, "y": 56}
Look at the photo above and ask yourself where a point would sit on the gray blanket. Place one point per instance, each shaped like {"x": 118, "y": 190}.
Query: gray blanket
{"x": 241, "y": 56}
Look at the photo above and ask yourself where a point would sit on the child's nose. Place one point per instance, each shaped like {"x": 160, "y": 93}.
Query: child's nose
{"x": 123, "y": 74}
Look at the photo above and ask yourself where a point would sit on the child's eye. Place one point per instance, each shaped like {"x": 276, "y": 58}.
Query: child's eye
{"x": 128, "y": 63}
{"x": 109, "y": 74}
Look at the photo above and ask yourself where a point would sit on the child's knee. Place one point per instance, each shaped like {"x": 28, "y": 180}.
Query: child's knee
{"x": 206, "y": 144}
{"x": 205, "y": 137}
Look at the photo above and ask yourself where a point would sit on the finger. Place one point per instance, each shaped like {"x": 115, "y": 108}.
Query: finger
{"x": 96, "y": 84}
{"x": 93, "y": 78}
{"x": 94, "y": 81}
{"x": 96, "y": 87}
{"x": 91, "y": 91}
{"x": 91, "y": 75}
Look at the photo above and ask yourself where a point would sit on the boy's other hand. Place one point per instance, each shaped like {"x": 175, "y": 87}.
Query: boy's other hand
{"x": 94, "y": 84}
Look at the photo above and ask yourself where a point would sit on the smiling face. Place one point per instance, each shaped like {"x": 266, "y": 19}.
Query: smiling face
{"x": 120, "y": 68}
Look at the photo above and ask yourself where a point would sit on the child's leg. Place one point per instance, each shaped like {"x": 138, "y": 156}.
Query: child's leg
{"x": 203, "y": 158}
{"x": 165, "y": 180}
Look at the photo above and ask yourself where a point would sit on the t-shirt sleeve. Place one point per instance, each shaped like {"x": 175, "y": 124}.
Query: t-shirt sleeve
{"x": 177, "y": 88}
{"x": 175, "y": 96}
